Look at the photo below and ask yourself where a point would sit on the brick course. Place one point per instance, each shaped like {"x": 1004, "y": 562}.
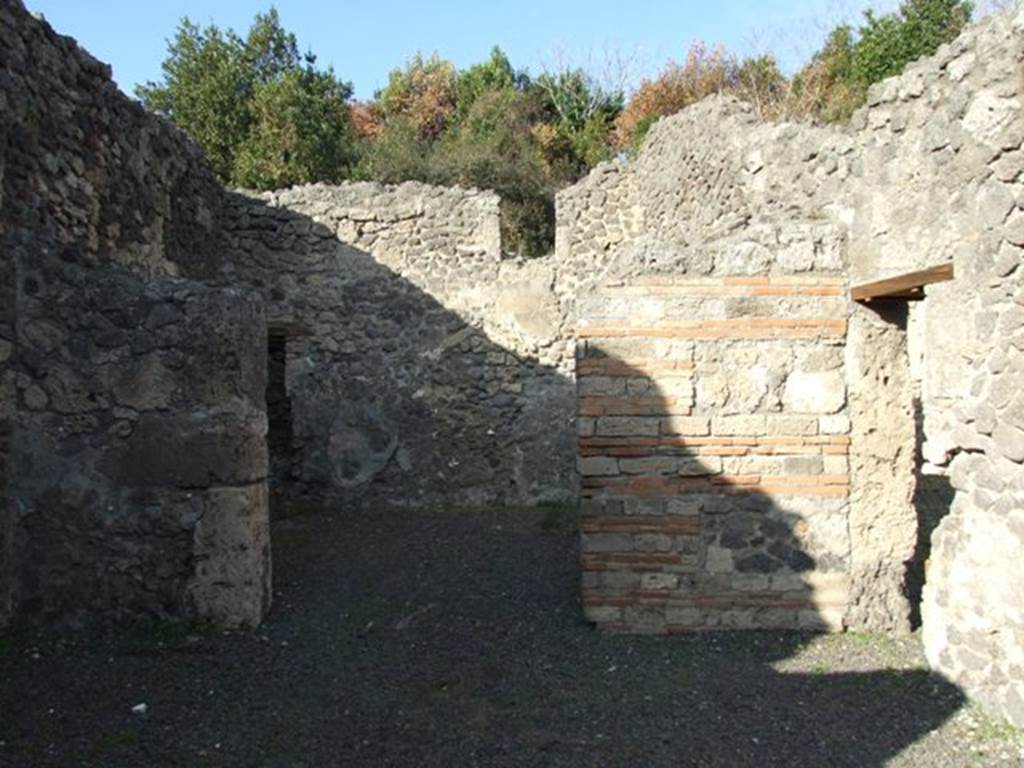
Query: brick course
{"x": 694, "y": 518}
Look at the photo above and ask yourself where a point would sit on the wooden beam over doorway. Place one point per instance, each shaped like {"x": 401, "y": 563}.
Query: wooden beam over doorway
{"x": 908, "y": 287}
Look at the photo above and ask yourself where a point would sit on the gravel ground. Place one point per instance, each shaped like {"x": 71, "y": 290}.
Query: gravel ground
{"x": 455, "y": 639}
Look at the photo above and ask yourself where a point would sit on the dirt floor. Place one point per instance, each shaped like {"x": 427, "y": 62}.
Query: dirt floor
{"x": 455, "y": 639}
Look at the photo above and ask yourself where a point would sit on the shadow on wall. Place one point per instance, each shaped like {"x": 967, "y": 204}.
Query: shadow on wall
{"x": 689, "y": 533}
{"x": 686, "y": 529}
{"x": 139, "y": 460}
{"x": 715, "y": 452}
{"x": 380, "y": 393}
{"x": 933, "y": 500}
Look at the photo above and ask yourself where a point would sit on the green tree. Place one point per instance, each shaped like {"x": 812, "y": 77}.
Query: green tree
{"x": 583, "y": 113}
{"x": 835, "y": 82}
{"x": 495, "y": 74}
{"x": 269, "y": 50}
{"x": 300, "y": 132}
{"x": 205, "y": 91}
{"x": 494, "y": 147}
{"x": 262, "y": 112}
{"x": 888, "y": 43}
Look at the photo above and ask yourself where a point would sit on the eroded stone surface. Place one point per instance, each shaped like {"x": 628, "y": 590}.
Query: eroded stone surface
{"x": 129, "y": 386}
{"x": 883, "y": 521}
{"x": 928, "y": 173}
{"x": 422, "y": 365}
{"x": 230, "y": 581}
{"x": 428, "y": 367}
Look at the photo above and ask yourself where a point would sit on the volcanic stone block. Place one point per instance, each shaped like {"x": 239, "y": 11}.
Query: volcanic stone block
{"x": 814, "y": 392}
{"x": 230, "y": 583}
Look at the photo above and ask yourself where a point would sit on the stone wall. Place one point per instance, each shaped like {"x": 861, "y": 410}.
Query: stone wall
{"x": 732, "y": 216}
{"x": 947, "y": 136}
{"x": 8, "y": 322}
{"x": 938, "y": 180}
{"x": 958, "y": 118}
{"x": 928, "y": 172}
{"x": 938, "y": 161}
{"x": 131, "y": 426}
{"x": 748, "y": 437}
{"x": 139, "y": 451}
{"x": 713, "y": 448}
{"x": 974, "y": 593}
{"x": 421, "y": 366}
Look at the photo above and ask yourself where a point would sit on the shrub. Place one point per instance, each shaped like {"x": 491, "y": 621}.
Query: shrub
{"x": 398, "y": 153}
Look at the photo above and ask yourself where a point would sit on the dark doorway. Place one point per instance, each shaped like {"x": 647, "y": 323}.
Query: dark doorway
{"x": 279, "y": 410}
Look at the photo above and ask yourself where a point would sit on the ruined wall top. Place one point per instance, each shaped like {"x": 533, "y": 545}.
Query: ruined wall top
{"x": 713, "y": 191}
{"x": 404, "y": 226}
{"x": 87, "y": 171}
{"x": 897, "y": 188}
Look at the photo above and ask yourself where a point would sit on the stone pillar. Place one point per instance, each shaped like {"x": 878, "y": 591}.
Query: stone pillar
{"x": 883, "y": 522}
{"x": 140, "y": 461}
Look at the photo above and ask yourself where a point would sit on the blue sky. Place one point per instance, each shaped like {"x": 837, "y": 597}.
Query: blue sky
{"x": 365, "y": 40}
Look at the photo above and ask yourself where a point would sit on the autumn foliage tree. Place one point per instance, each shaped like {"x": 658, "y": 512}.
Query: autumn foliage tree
{"x": 492, "y": 126}
{"x": 705, "y": 71}
{"x": 423, "y": 92}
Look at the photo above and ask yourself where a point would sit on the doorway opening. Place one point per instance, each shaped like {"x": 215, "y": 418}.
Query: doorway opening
{"x": 279, "y": 412}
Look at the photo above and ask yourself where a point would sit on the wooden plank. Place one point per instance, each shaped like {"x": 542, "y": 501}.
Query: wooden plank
{"x": 908, "y": 287}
